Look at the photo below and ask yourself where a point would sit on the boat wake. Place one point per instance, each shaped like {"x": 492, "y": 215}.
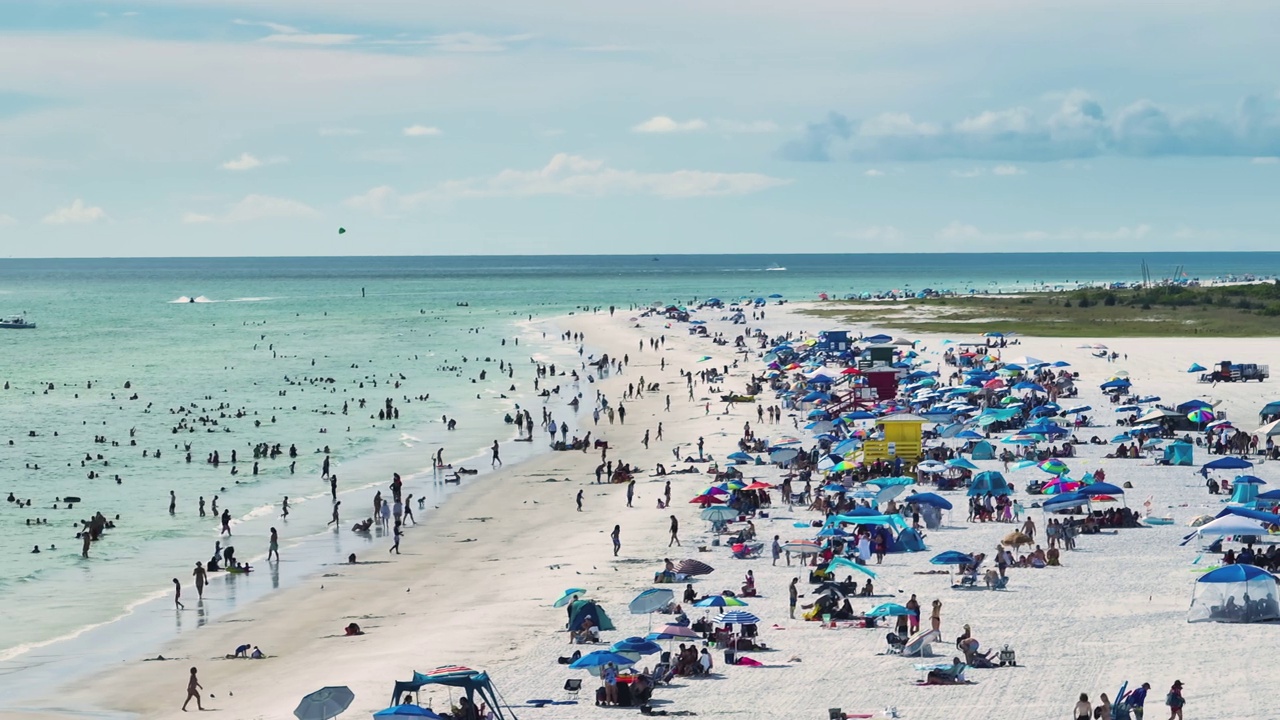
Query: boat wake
{"x": 184, "y": 299}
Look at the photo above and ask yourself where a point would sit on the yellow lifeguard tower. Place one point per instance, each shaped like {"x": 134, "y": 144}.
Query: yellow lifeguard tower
{"x": 903, "y": 438}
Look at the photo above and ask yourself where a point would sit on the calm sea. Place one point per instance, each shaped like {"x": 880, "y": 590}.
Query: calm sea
{"x": 275, "y": 347}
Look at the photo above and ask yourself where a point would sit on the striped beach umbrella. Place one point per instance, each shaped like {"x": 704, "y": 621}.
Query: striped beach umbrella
{"x": 737, "y": 617}
{"x": 720, "y": 601}
{"x": 693, "y": 567}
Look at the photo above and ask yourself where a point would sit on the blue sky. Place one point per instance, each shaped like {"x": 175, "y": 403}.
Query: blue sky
{"x": 238, "y": 127}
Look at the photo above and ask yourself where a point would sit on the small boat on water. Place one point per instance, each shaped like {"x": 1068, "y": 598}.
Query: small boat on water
{"x": 775, "y": 268}
{"x": 17, "y": 322}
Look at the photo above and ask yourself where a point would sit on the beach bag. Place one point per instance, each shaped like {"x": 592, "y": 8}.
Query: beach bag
{"x": 601, "y": 697}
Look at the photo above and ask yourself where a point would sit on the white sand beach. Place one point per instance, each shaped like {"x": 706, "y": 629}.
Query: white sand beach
{"x": 475, "y": 582}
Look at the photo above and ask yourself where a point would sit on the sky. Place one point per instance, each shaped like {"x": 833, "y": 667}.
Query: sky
{"x": 447, "y": 127}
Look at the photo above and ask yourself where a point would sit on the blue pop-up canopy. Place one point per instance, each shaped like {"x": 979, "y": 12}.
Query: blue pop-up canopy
{"x": 932, "y": 499}
{"x": 1227, "y": 463}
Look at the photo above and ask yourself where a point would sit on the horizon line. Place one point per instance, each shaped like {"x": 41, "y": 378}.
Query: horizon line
{"x": 643, "y": 255}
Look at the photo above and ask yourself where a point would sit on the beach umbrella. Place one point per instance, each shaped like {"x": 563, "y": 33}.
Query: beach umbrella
{"x": 886, "y": 482}
{"x": 693, "y": 567}
{"x": 961, "y": 463}
{"x": 705, "y": 499}
{"x": 741, "y": 456}
{"x": 832, "y": 531}
{"x": 1229, "y": 462}
{"x": 1016, "y": 539}
{"x": 1079, "y": 409}
{"x": 757, "y": 485}
{"x": 1101, "y": 488}
{"x": 951, "y": 557}
{"x": 325, "y": 703}
{"x": 1199, "y": 520}
{"x": 671, "y": 632}
{"x": 847, "y": 563}
{"x": 1249, "y": 480}
{"x": 802, "y": 547}
{"x": 1024, "y": 464}
{"x": 784, "y": 455}
{"x": 1054, "y": 466}
{"x": 737, "y": 617}
{"x": 720, "y": 601}
{"x": 1200, "y": 415}
{"x": 407, "y": 711}
{"x": 719, "y": 514}
{"x": 931, "y": 466}
{"x": 1232, "y": 525}
{"x": 930, "y": 499}
{"x": 569, "y": 596}
{"x": 636, "y": 646}
{"x": 1269, "y": 430}
{"x": 1196, "y": 367}
{"x": 651, "y": 600}
{"x": 890, "y": 610}
{"x": 595, "y": 660}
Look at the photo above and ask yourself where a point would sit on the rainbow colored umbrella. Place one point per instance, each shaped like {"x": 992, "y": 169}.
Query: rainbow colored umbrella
{"x": 1053, "y": 466}
{"x": 1201, "y": 416}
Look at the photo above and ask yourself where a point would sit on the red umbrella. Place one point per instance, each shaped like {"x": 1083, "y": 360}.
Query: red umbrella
{"x": 851, "y": 371}
{"x": 705, "y": 500}
{"x": 757, "y": 485}
{"x": 993, "y": 384}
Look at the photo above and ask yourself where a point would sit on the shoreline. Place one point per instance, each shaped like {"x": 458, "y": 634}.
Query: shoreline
{"x": 478, "y": 591}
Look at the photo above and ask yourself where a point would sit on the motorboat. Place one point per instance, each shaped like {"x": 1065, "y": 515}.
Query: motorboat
{"x": 17, "y": 322}
{"x": 775, "y": 268}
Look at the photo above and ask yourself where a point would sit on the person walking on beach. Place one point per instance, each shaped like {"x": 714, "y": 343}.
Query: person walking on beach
{"x": 675, "y": 532}
{"x": 177, "y": 594}
{"x": 334, "y": 521}
{"x": 395, "y": 533}
{"x": 273, "y": 546}
{"x": 496, "y": 460}
{"x": 193, "y": 691}
{"x": 1083, "y": 710}
{"x": 631, "y": 491}
{"x": 1137, "y": 699}
{"x": 200, "y": 575}
{"x": 408, "y": 510}
{"x": 794, "y": 595}
{"x": 776, "y": 549}
{"x": 616, "y": 535}
{"x": 226, "y": 522}
{"x": 284, "y": 508}
{"x": 579, "y": 500}
{"x": 1175, "y": 701}
{"x": 935, "y": 618}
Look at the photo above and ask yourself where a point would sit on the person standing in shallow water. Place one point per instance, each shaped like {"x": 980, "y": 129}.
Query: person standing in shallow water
{"x": 226, "y": 522}
{"x": 273, "y": 546}
{"x": 616, "y": 535}
{"x": 173, "y": 502}
{"x": 199, "y": 574}
{"x": 177, "y": 594}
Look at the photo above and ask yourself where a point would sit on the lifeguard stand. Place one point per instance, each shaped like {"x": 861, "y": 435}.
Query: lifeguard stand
{"x": 903, "y": 438}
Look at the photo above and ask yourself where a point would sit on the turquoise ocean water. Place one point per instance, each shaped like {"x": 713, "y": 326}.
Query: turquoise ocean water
{"x": 274, "y": 348}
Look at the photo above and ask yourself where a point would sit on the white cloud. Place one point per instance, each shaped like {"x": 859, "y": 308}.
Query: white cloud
{"x": 1008, "y": 170}
{"x": 8, "y": 219}
{"x": 1272, "y": 160}
{"x": 421, "y": 131}
{"x": 751, "y": 126}
{"x": 573, "y": 175}
{"x": 244, "y": 162}
{"x": 289, "y": 34}
{"x": 256, "y": 207}
{"x": 1078, "y": 127}
{"x": 959, "y": 232}
{"x": 874, "y": 173}
{"x": 76, "y": 212}
{"x": 664, "y": 124}
{"x": 469, "y": 42}
{"x": 261, "y": 207}
{"x": 339, "y": 132}
{"x": 874, "y": 233}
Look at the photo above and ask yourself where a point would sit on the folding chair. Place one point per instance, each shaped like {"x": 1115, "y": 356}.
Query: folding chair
{"x": 573, "y": 685}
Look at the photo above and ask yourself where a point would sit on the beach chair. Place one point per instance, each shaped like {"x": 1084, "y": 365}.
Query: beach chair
{"x": 745, "y": 551}
{"x": 1000, "y": 583}
{"x": 573, "y": 685}
{"x": 969, "y": 580}
{"x": 896, "y": 643}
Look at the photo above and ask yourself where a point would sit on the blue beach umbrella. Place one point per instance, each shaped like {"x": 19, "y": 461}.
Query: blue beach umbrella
{"x": 1227, "y": 463}
{"x": 599, "y": 659}
{"x": 951, "y": 557}
{"x": 636, "y": 646}
{"x": 738, "y": 617}
{"x": 847, "y": 563}
{"x": 719, "y": 514}
{"x": 651, "y": 600}
{"x": 890, "y": 610}
{"x": 931, "y": 499}
{"x": 720, "y": 601}
{"x": 569, "y": 596}
{"x": 407, "y": 711}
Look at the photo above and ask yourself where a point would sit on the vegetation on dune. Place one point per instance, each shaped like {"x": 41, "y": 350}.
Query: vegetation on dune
{"x": 1167, "y": 310}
